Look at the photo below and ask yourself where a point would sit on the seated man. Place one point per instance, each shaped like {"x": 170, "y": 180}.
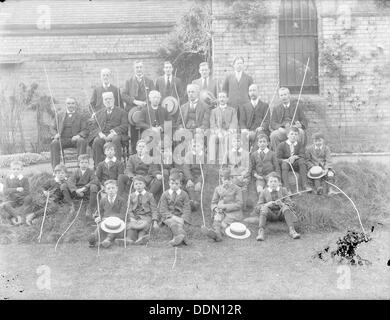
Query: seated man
{"x": 72, "y": 132}
{"x": 154, "y": 115}
{"x": 281, "y": 118}
{"x": 108, "y": 125}
{"x": 254, "y": 116}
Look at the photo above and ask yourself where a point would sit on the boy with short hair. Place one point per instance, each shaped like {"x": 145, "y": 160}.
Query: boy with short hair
{"x": 142, "y": 213}
{"x": 226, "y": 205}
{"x": 271, "y": 207}
{"x": 16, "y": 190}
{"x": 110, "y": 206}
{"x": 262, "y": 162}
{"x": 291, "y": 153}
{"x": 136, "y": 166}
{"x": 175, "y": 209}
{"x": 58, "y": 188}
{"x": 84, "y": 184}
{"x": 111, "y": 168}
{"x": 237, "y": 159}
{"x": 318, "y": 154}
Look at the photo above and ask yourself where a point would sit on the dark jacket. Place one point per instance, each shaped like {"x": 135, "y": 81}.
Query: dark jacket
{"x": 237, "y": 91}
{"x": 202, "y": 115}
{"x": 320, "y": 158}
{"x": 251, "y": 118}
{"x": 10, "y": 186}
{"x": 104, "y": 173}
{"x": 97, "y": 99}
{"x": 132, "y": 91}
{"x": 263, "y": 166}
{"x": 165, "y": 92}
{"x": 212, "y": 85}
{"x": 180, "y": 207}
{"x": 79, "y": 125}
{"x": 283, "y": 151}
{"x": 162, "y": 116}
{"x": 79, "y": 180}
{"x": 148, "y": 204}
{"x": 280, "y": 116}
{"x": 117, "y": 209}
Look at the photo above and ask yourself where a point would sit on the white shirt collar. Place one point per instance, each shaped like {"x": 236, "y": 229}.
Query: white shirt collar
{"x": 255, "y": 102}
{"x": 154, "y": 108}
{"x": 290, "y": 143}
{"x": 270, "y": 190}
{"x": 265, "y": 150}
{"x": 106, "y": 86}
{"x": 138, "y": 193}
{"x": 170, "y": 191}
{"x": 239, "y": 150}
{"x": 223, "y": 106}
{"x": 111, "y": 199}
{"x": 108, "y": 160}
{"x": 286, "y": 105}
{"x": 168, "y": 77}
{"x": 59, "y": 181}
{"x": 319, "y": 148}
{"x": 238, "y": 74}
{"x": 12, "y": 176}
{"x": 83, "y": 171}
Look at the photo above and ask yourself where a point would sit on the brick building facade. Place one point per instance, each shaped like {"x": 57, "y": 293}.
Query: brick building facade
{"x": 75, "y": 39}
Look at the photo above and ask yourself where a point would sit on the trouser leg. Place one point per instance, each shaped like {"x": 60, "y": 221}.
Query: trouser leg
{"x": 81, "y": 146}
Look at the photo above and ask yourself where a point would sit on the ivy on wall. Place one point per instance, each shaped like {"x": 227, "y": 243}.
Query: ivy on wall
{"x": 246, "y": 13}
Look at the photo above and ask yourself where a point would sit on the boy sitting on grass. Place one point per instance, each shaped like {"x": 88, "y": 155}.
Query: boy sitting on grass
{"x": 262, "y": 162}
{"x": 318, "y": 154}
{"x": 58, "y": 189}
{"x": 270, "y": 207}
{"x": 226, "y": 205}
{"x": 84, "y": 184}
{"x": 291, "y": 156}
{"x": 142, "y": 213}
{"x": 175, "y": 209}
{"x": 111, "y": 168}
{"x": 110, "y": 206}
{"x": 136, "y": 166}
{"x": 16, "y": 190}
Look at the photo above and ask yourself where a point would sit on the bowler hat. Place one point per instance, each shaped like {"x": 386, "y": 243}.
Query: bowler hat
{"x": 238, "y": 230}
{"x": 170, "y": 104}
{"x": 135, "y": 116}
{"x": 112, "y": 225}
{"x": 316, "y": 172}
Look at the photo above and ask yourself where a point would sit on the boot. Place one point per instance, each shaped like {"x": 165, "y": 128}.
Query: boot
{"x": 106, "y": 243}
{"x": 214, "y": 234}
{"x": 293, "y": 233}
{"x": 261, "y": 235}
{"x": 142, "y": 240}
{"x": 178, "y": 236}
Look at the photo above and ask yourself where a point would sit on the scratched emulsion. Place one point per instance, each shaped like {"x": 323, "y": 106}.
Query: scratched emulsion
{"x": 345, "y": 251}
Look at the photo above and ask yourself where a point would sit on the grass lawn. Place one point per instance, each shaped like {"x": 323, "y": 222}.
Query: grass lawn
{"x": 234, "y": 269}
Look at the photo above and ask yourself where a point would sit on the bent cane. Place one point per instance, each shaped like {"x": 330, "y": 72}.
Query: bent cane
{"x": 97, "y": 224}
{"x": 67, "y": 229}
{"x": 300, "y": 91}
{"x": 44, "y": 217}
{"x": 127, "y": 211}
{"x": 201, "y": 196}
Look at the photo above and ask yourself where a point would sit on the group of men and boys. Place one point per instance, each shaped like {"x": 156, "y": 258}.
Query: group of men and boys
{"x": 127, "y": 196}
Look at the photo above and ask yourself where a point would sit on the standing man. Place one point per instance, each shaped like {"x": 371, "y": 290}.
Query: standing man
{"x": 281, "y": 119}
{"x": 72, "y": 130}
{"x": 254, "y": 118}
{"x": 205, "y": 82}
{"x": 96, "y": 99}
{"x": 196, "y": 114}
{"x": 237, "y": 85}
{"x": 110, "y": 124}
{"x": 136, "y": 91}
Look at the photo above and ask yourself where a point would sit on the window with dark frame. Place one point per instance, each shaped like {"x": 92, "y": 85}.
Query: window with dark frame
{"x": 298, "y": 40}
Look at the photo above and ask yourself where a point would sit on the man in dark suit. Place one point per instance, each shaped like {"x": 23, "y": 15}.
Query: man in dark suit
{"x": 96, "y": 99}
{"x": 281, "y": 118}
{"x": 196, "y": 114}
{"x": 205, "y": 82}
{"x": 72, "y": 132}
{"x": 136, "y": 91}
{"x": 254, "y": 116}
{"x": 158, "y": 115}
{"x": 237, "y": 85}
{"x": 110, "y": 124}
{"x": 169, "y": 85}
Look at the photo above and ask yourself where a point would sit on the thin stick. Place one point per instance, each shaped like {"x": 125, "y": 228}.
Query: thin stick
{"x": 117, "y": 83}
{"x": 269, "y": 105}
{"x": 353, "y": 204}
{"x": 178, "y": 99}
{"x": 127, "y": 211}
{"x": 44, "y": 217}
{"x": 300, "y": 91}
{"x": 97, "y": 224}
{"x": 296, "y": 178}
{"x": 149, "y": 233}
{"x": 92, "y": 111}
{"x": 55, "y": 113}
{"x": 201, "y": 195}
{"x": 174, "y": 261}
{"x": 294, "y": 194}
{"x": 66, "y": 230}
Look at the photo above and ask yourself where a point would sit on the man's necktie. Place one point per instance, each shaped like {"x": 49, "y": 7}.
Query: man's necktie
{"x": 174, "y": 194}
{"x": 139, "y": 200}
{"x": 168, "y": 86}
{"x": 110, "y": 164}
{"x": 262, "y": 154}
{"x": 274, "y": 195}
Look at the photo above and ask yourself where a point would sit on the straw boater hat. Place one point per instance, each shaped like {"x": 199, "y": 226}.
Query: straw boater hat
{"x": 113, "y": 225}
{"x": 170, "y": 104}
{"x": 135, "y": 116}
{"x": 238, "y": 230}
{"x": 316, "y": 172}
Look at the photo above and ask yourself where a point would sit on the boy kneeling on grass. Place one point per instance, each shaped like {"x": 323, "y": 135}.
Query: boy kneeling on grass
{"x": 270, "y": 207}
{"x": 16, "y": 190}
{"x": 59, "y": 189}
{"x": 175, "y": 209}
{"x": 84, "y": 184}
{"x": 226, "y": 205}
{"x": 111, "y": 206}
{"x": 319, "y": 163}
{"x": 142, "y": 212}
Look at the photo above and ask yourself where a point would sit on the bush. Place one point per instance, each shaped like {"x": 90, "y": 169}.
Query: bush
{"x": 26, "y": 158}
